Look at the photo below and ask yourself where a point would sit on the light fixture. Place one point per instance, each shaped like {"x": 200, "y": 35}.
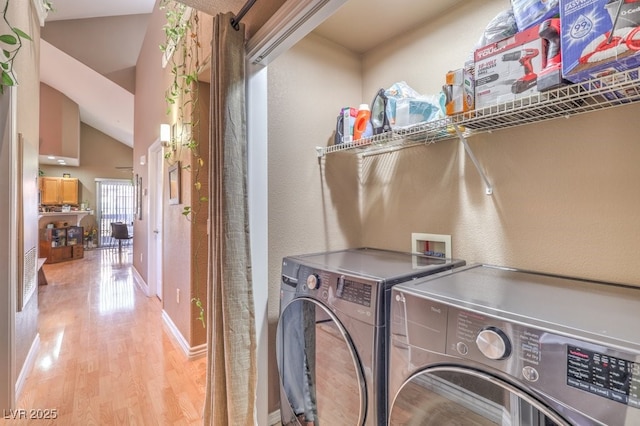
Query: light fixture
{"x": 165, "y": 134}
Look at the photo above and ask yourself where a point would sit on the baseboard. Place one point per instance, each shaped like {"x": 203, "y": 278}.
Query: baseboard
{"x": 140, "y": 282}
{"x": 274, "y": 418}
{"x": 28, "y": 365}
{"x": 190, "y": 351}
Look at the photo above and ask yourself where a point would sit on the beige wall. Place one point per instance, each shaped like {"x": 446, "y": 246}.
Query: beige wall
{"x": 178, "y": 233}
{"x": 313, "y": 206}
{"x": 59, "y": 124}
{"x": 21, "y": 15}
{"x": 149, "y": 113}
{"x": 564, "y": 190}
{"x": 95, "y": 163}
{"x": 305, "y": 198}
{"x": 565, "y": 198}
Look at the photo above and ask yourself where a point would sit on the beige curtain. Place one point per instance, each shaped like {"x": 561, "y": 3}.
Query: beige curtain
{"x": 231, "y": 368}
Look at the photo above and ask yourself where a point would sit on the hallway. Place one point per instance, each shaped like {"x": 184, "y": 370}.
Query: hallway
{"x": 105, "y": 357}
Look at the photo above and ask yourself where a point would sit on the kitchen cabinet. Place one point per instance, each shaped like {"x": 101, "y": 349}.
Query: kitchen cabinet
{"x": 54, "y": 190}
{"x": 61, "y": 244}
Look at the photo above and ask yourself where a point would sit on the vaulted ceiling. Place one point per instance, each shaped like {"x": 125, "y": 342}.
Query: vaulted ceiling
{"x": 101, "y": 41}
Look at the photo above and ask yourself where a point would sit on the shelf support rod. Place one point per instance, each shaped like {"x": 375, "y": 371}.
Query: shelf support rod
{"x": 467, "y": 148}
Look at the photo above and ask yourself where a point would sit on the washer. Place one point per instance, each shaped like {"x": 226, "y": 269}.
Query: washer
{"x": 489, "y": 345}
{"x": 330, "y": 349}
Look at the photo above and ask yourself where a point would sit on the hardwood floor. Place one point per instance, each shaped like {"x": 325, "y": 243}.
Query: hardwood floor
{"x": 105, "y": 357}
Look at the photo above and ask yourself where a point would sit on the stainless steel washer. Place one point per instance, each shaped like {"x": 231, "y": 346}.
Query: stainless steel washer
{"x": 331, "y": 336}
{"x": 488, "y": 345}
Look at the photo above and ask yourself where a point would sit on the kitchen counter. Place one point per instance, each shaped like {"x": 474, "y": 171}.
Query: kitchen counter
{"x": 73, "y": 217}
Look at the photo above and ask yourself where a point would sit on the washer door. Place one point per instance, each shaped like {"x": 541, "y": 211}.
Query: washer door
{"x": 442, "y": 396}
{"x": 321, "y": 381}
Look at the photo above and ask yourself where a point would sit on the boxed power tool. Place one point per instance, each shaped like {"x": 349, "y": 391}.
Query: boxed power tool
{"x": 508, "y": 69}
{"x": 599, "y": 37}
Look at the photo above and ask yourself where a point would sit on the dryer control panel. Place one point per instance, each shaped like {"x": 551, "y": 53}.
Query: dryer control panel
{"x": 354, "y": 296}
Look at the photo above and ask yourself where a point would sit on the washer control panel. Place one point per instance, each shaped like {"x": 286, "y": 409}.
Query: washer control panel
{"x": 614, "y": 378}
{"x": 485, "y": 339}
{"x": 560, "y": 366}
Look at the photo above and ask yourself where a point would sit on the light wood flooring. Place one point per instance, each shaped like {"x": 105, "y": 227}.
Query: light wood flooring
{"x": 105, "y": 357}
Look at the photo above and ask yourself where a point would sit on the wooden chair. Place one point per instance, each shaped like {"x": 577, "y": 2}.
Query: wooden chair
{"x": 120, "y": 231}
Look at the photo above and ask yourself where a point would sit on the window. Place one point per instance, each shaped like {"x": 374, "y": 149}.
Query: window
{"x": 115, "y": 201}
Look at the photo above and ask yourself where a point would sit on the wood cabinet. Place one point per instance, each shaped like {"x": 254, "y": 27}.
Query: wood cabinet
{"x": 54, "y": 190}
{"x": 61, "y": 244}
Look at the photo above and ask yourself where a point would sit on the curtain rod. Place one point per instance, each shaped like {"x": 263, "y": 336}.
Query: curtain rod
{"x": 235, "y": 21}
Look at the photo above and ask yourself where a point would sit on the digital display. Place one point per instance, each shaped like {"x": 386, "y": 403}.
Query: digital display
{"x": 613, "y": 378}
{"x": 355, "y": 292}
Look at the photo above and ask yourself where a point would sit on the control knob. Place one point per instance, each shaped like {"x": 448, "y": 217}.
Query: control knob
{"x": 493, "y": 343}
{"x": 313, "y": 281}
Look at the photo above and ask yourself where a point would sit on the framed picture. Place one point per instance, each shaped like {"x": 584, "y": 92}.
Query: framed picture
{"x": 137, "y": 191}
{"x": 174, "y": 183}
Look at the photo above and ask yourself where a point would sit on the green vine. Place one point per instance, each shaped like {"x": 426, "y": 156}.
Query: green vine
{"x": 10, "y": 44}
{"x": 182, "y": 49}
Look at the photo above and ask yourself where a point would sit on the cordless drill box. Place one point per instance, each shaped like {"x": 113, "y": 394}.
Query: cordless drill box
{"x": 599, "y": 37}
{"x": 508, "y": 69}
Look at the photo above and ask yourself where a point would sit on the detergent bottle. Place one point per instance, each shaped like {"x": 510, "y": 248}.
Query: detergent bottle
{"x": 362, "y": 121}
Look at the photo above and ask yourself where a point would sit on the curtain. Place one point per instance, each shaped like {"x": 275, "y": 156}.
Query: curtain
{"x": 231, "y": 367}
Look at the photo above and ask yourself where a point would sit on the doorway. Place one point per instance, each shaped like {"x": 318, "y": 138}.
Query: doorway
{"x": 115, "y": 202}
{"x": 156, "y": 167}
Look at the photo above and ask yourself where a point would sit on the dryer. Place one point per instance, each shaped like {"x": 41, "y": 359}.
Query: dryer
{"x": 331, "y": 336}
{"x": 489, "y": 345}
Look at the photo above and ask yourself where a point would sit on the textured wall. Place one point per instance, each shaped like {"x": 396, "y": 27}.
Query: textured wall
{"x": 565, "y": 198}
{"x": 150, "y": 111}
{"x": 306, "y": 196}
{"x": 24, "y": 323}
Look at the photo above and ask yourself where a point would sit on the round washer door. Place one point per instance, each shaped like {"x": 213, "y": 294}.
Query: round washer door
{"x": 442, "y": 396}
{"x": 321, "y": 381}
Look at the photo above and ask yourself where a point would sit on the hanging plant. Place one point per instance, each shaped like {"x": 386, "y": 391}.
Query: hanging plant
{"x": 182, "y": 54}
{"x": 10, "y": 42}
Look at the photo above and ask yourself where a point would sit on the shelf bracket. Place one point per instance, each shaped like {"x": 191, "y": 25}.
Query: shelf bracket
{"x": 467, "y": 148}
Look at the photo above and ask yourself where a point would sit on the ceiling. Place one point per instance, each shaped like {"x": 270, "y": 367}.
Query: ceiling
{"x": 98, "y": 42}
{"x": 361, "y": 25}
{"x": 78, "y": 39}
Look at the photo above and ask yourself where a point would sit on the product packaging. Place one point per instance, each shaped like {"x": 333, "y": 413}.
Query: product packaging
{"x": 599, "y": 37}
{"x": 344, "y": 125}
{"x": 459, "y": 90}
{"x": 508, "y": 70}
{"x": 529, "y": 13}
{"x": 407, "y": 107}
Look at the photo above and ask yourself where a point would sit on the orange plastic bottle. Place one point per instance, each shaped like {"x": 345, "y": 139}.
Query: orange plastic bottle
{"x": 364, "y": 114}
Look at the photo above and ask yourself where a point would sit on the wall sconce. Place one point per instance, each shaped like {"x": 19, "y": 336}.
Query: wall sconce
{"x": 165, "y": 134}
